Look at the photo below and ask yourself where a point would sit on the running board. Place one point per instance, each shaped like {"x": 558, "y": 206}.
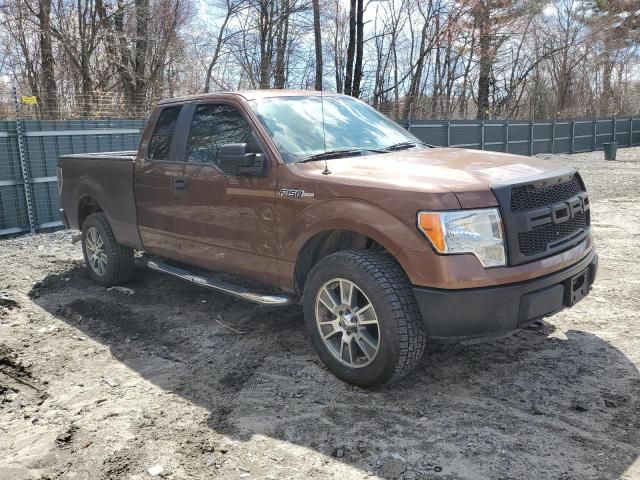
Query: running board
{"x": 222, "y": 283}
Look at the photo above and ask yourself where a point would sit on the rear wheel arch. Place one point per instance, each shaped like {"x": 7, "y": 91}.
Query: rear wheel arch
{"x": 87, "y": 205}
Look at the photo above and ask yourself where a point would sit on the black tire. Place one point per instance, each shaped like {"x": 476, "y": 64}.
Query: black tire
{"x": 119, "y": 259}
{"x": 402, "y": 339}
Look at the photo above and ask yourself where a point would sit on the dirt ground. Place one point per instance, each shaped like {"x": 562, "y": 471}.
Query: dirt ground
{"x": 179, "y": 382}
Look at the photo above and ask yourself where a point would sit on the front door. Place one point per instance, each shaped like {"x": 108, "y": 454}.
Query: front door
{"x": 224, "y": 222}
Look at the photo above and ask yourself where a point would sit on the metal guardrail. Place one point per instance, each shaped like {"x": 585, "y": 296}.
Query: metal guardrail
{"x": 29, "y": 150}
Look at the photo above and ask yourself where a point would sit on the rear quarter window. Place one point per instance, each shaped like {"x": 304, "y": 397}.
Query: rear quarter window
{"x": 160, "y": 143}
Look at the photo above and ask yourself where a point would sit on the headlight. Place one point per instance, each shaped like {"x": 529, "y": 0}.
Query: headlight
{"x": 466, "y": 231}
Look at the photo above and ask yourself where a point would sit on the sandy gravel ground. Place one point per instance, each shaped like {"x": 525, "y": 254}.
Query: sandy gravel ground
{"x": 178, "y": 382}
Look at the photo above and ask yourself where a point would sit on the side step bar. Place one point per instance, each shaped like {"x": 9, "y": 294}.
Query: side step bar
{"x": 222, "y": 283}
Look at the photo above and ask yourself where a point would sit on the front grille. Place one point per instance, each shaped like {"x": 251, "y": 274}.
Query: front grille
{"x": 539, "y": 239}
{"x": 527, "y": 197}
{"x": 542, "y": 221}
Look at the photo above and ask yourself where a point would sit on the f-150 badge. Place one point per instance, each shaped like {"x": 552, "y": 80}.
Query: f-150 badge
{"x": 292, "y": 193}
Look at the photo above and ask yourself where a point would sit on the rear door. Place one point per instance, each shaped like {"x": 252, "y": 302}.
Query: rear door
{"x": 224, "y": 222}
{"x": 157, "y": 166}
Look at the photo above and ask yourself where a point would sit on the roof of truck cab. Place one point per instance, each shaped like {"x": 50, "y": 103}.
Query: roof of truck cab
{"x": 249, "y": 95}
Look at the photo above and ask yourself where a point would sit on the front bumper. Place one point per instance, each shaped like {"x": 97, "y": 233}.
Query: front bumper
{"x": 478, "y": 314}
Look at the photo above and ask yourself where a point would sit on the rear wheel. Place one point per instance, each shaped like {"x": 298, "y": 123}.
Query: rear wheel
{"x": 108, "y": 262}
{"x": 362, "y": 317}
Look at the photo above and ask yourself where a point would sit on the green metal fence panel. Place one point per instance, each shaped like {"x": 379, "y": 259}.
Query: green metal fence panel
{"x": 623, "y": 131}
{"x": 43, "y": 142}
{"x": 528, "y": 138}
{"x": 495, "y": 135}
{"x": 635, "y": 129}
{"x": 13, "y": 212}
{"x": 9, "y": 160}
{"x": 562, "y": 136}
{"x": 429, "y": 131}
{"x": 465, "y": 134}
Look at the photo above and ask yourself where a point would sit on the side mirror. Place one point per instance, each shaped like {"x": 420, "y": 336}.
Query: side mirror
{"x": 234, "y": 160}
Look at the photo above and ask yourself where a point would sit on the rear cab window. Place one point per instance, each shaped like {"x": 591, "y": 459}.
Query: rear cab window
{"x": 160, "y": 144}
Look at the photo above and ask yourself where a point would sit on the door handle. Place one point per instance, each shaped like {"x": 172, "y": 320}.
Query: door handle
{"x": 180, "y": 183}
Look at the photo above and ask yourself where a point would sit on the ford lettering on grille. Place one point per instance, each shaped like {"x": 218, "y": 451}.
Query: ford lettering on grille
{"x": 559, "y": 212}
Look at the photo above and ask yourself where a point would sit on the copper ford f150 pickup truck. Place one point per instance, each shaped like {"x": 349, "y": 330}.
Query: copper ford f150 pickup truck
{"x": 282, "y": 197}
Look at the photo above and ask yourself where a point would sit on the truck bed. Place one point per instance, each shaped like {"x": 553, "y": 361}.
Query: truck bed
{"x": 102, "y": 178}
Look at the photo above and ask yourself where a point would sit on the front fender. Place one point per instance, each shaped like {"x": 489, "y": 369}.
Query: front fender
{"x": 353, "y": 215}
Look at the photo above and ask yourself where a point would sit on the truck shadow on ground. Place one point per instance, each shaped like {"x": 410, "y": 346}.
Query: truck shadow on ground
{"x": 537, "y": 404}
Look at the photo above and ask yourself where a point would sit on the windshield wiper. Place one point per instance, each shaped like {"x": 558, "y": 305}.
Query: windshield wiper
{"x": 401, "y": 146}
{"x": 345, "y": 152}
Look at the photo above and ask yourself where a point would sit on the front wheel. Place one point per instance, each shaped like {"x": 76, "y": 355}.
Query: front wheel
{"x": 362, "y": 317}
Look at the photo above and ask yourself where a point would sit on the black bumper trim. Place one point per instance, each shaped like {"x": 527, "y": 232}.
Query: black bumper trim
{"x": 477, "y": 314}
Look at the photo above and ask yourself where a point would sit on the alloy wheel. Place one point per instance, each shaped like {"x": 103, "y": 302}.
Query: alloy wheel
{"x": 347, "y": 322}
{"x": 96, "y": 253}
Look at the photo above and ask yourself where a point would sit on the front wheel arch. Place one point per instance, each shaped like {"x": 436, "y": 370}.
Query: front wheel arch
{"x": 325, "y": 243}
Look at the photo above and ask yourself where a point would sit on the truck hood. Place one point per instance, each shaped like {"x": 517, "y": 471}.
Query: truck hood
{"x": 468, "y": 174}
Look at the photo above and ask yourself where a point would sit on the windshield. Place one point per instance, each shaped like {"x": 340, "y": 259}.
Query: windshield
{"x": 295, "y": 124}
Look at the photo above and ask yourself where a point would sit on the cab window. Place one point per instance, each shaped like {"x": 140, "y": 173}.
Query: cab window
{"x": 160, "y": 143}
{"x": 211, "y": 127}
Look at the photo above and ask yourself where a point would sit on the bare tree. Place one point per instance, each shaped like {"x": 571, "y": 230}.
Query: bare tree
{"x": 317, "y": 37}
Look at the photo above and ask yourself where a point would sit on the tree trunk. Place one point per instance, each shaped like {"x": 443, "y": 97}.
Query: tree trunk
{"x": 337, "y": 61}
{"x": 348, "y": 79}
{"x": 141, "y": 45}
{"x": 357, "y": 69}
{"x": 216, "y": 52}
{"x": 266, "y": 41}
{"x": 416, "y": 78}
{"x": 49, "y": 103}
{"x": 484, "y": 77}
{"x": 435, "y": 94}
{"x": 282, "y": 45}
{"x": 606, "y": 97}
{"x": 318, "y": 43}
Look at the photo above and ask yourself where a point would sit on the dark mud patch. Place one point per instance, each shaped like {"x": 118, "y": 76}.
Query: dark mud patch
{"x": 106, "y": 318}
{"x": 235, "y": 379}
{"x": 11, "y": 365}
{"x": 73, "y": 274}
{"x": 118, "y": 465}
{"x": 17, "y": 382}
{"x": 7, "y": 305}
{"x": 65, "y": 437}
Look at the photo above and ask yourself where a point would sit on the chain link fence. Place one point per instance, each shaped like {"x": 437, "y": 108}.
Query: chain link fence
{"x": 30, "y": 145}
{"x": 107, "y": 105}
